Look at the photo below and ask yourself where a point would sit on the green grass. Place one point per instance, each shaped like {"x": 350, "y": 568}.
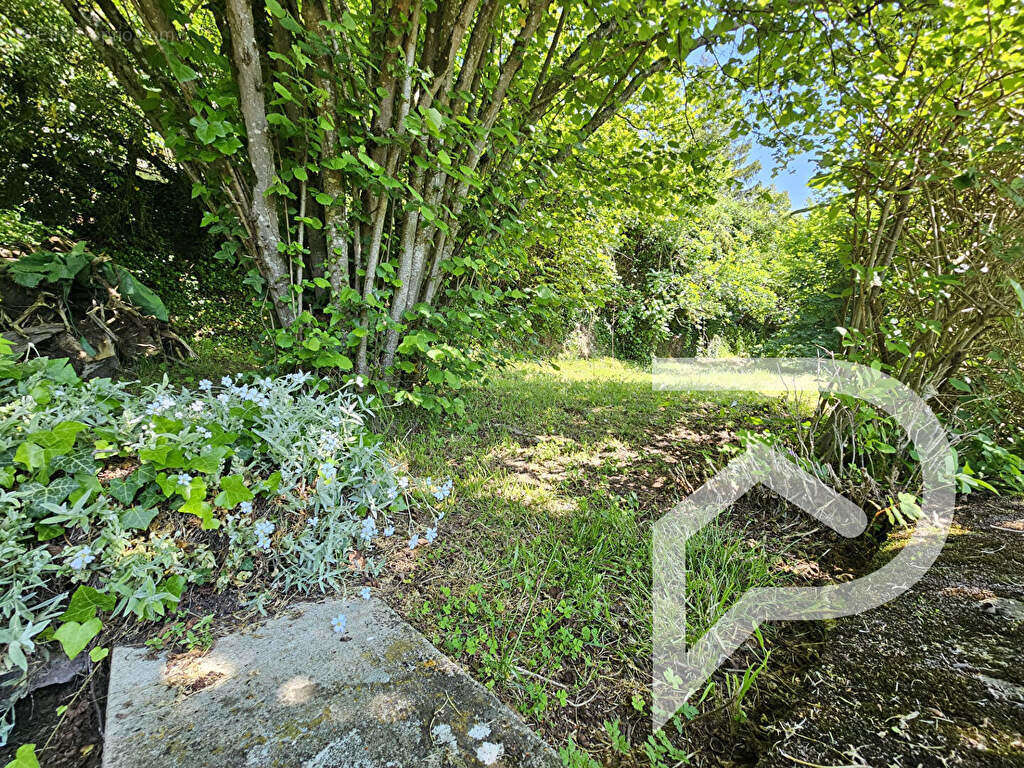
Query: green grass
{"x": 540, "y": 582}
{"x": 214, "y": 358}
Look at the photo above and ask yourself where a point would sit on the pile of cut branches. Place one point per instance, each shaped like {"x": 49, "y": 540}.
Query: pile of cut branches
{"x": 58, "y": 299}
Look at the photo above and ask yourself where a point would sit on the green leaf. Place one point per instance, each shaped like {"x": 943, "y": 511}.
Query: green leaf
{"x": 138, "y": 518}
{"x": 80, "y": 462}
{"x": 61, "y": 438}
{"x": 86, "y": 602}
{"x": 73, "y": 637}
{"x": 25, "y": 757}
{"x": 174, "y": 584}
{"x": 283, "y": 92}
{"x": 54, "y": 492}
{"x": 136, "y": 292}
{"x": 46, "y": 532}
{"x": 271, "y": 484}
{"x": 124, "y": 490}
{"x": 182, "y": 72}
{"x": 98, "y": 654}
{"x": 30, "y": 456}
{"x": 209, "y": 461}
{"x": 1018, "y": 290}
{"x": 196, "y": 504}
{"x": 434, "y": 120}
{"x": 233, "y": 492}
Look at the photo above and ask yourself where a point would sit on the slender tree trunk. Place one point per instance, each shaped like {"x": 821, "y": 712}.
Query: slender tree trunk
{"x": 262, "y": 213}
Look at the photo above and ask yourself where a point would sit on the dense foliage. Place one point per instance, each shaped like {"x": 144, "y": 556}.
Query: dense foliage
{"x": 389, "y": 197}
{"x": 116, "y": 499}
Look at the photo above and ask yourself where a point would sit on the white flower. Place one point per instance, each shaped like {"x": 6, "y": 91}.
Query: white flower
{"x": 245, "y": 508}
{"x": 431, "y": 535}
{"x": 480, "y": 731}
{"x": 264, "y": 529}
{"x": 184, "y": 479}
{"x": 443, "y": 491}
{"x": 313, "y": 521}
{"x": 488, "y": 753}
{"x": 365, "y": 593}
{"x": 226, "y": 381}
{"x": 205, "y": 385}
{"x": 389, "y": 531}
{"x": 82, "y": 559}
{"x": 338, "y": 623}
{"x": 414, "y": 541}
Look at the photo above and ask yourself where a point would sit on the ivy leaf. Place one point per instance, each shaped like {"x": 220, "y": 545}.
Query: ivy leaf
{"x": 124, "y": 490}
{"x": 196, "y": 504}
{"x": 271, "y": 484}
{"x": 209, "y": 461}
{"x": 30, "y": 455}
{"x": 233, "y": 492}
{"x": 182, "y": 72}
{"x": 86, "y": 602}
{"x": 73, "y": 637}
{"x": 98, "y": 654}
{"x": 25, "y": 757}
{"x": 45, "y": 532}
{"x": 138, "y": 518}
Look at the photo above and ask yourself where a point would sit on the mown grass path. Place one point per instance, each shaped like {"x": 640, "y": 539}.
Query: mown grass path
{"x": 540, "y": 579}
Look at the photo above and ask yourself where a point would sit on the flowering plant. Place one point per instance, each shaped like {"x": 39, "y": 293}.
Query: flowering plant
{"x": 114, "y": 498}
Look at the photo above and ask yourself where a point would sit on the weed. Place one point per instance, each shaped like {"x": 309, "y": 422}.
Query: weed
{"x": 190, "y": 635}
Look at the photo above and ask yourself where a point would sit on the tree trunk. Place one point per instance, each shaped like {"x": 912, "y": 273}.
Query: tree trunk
{"x": 262, "y": 214}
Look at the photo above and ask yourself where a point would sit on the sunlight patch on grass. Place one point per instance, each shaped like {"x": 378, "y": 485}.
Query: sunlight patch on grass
{"x": 542, "y": 584}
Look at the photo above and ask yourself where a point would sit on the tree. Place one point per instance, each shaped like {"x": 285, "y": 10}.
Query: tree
{"x": 355, "y": 151}
{"x": 70, "y": 141}
{"x": 919, "y": 136}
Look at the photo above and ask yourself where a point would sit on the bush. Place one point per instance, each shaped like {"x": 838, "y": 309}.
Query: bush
{"x": 123, "y": 498}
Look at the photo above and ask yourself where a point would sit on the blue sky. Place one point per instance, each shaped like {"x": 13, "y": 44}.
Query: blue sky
{"x": 791, "y": 179}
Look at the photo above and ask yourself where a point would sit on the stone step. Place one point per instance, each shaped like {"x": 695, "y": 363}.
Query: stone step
{"x": 292, "y": 692}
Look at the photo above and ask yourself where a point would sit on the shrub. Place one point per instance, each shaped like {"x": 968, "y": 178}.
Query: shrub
{"x": 120, "y": 496}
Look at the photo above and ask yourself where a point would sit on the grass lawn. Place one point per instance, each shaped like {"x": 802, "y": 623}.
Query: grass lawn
{"x": 540, "y": 579}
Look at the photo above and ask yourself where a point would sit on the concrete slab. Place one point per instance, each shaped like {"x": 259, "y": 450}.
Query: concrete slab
{"x": 292, "y": 692}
